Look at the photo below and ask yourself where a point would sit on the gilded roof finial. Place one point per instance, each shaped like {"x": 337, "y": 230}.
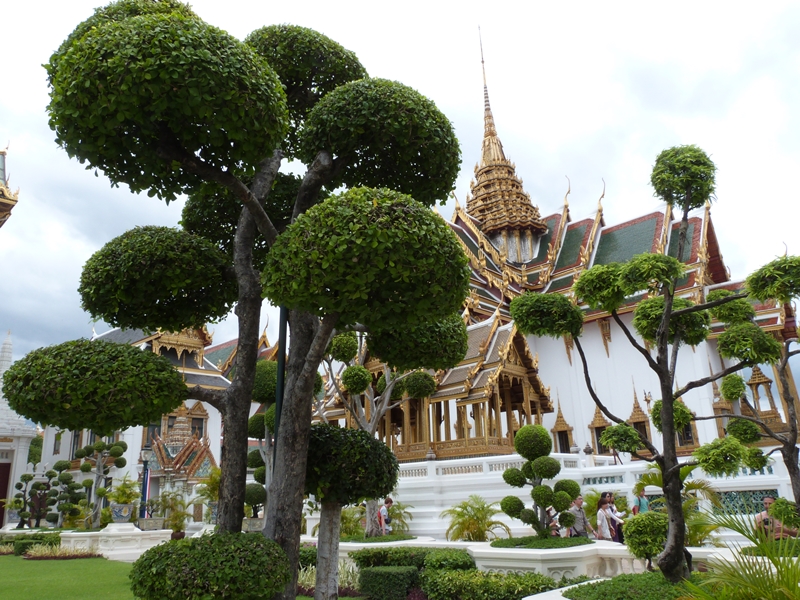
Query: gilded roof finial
{"x": 492, "y": 147}
{"x": 569, "y": 189}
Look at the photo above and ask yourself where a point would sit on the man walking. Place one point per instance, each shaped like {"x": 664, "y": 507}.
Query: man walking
{"x": 582, "y": 527}
{"x": 640, "y": 503}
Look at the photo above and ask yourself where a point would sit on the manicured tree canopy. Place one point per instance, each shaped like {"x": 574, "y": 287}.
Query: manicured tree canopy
{"x": 266, "y": 382}
{"x": 93, "y": 385}
{"x": 153, "y": 277}
{"x": 735, "y": 311}
{"x": 309, "y": 66}
{"x": 420, "y": 384}
{"x": 779, "y": 279}
{"x": 254, "y": 496}
{"x": 438, "y": 345}
{"x": 747, "y": 341}
{"x": 532, "y": 442}
{"x": 690, "y": 328}
{"x": 356, "y": 379}
{"x": 399, "y": 263}
{"x": 348, "y": 465}
{"x": 683, "y": 176}
{"x": 343, "y": 347}
{"x": 128, "y": 92}
{"x": 646, "y": 533}
{"x": 256, "y": 423}
{"x": 550, "y": 315}
{"x": 385, "y": 135}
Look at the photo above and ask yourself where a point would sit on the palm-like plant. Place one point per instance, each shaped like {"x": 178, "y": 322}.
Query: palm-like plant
{"x": 699, "y": 528}
{"x": 472, "y": 520}
{"x": 768, "y": 571}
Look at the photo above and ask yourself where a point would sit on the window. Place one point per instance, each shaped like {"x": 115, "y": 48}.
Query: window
{"x": 152, "y": 429}
{"x": 686, "y": 436}
{"x": 76, "y": 443}
{"x": 641, "y": 427}
{"x": 598, "y": 431}
{"x": 170, "y": 422}
{"x": 563, "y": 442}
{"x": 57, "y": 443}
{"x": 198, "y": 427}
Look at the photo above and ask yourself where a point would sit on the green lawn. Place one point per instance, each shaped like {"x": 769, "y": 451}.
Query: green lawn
{"x": 82, "y": 579}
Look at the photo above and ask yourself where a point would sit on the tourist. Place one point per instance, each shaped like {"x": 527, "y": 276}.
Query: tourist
{"x": 616, "y": 516}
{"x": 605, "y": 531}
{"x": 640, "y": 503}
{"x": 383, "y": 516}
{"x": 582, "y": 527}
{"x": 770, "y": 525}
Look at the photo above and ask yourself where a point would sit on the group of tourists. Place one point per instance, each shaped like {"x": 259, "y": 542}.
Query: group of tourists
{"x": 609, "y": 519}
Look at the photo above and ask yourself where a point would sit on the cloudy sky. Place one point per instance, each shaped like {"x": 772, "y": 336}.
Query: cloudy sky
{"x": 590, "y": 90}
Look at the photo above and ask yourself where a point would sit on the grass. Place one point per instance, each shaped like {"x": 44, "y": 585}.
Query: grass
{"x": 85, "y": 579}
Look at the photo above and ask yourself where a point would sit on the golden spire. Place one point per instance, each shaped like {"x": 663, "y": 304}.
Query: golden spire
{"x": 497, "y": 198}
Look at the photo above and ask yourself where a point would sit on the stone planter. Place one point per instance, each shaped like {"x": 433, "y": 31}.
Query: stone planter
{"x": 121, "y": 513}
{"x": 151, "y": 523}
{"x": 178, "y": 535}
{"x": 253, "y": 524}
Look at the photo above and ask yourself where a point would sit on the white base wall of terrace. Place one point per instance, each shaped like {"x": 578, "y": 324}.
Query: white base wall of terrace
{"x": 117, "y": 541}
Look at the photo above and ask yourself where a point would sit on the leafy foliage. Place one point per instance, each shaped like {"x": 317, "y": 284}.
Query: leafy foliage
{"x": 387, "y": 583}
{"x": 348, "y": 465}
{"x": 747, "y": 341}
{"x": 397, "y": 391}
{"x": 569, "y": 486}
{"x": 511, "y": 505}
{"x": 151, "y": 277}
{"x": 621, "y": 437}
{"x": 388, "y": 556}
{"x": 641, "y": 586}
{"x": 254, "y": 459}
{"x": 384, "y": 134}
{"x": 682, "y": 416}
{"x": 398, "y": 264}
{"x": 255, "y": 496}
{"x": 537, "y": 543}
{"x": 691, "y": 328}
{"x": 514, "y": 477}
{"x": 550, "y": 315}
{"x": 438, "y": 345}
{"x": 482, "y": 585}
{"x": 97, "y": 385}
{"x": 683, "y": 176}
{"x": 223, "y": 565}
{"x": 343, "y": 347}
{"x": 257, "y": 423}
{"x": 732, "y": 387}
{"x": 266, "y": 382}
{"x": 722, "y": 456}
{"x": 546, "y": 467}
{"x": 356, "y": 379}
{"x": 646, "y": 533}
{"x": 420, "y": 384}
{"x": 735, "y": 311}
{"x": 600, "y": 288}
{"x": 309, "y": 66}
{"x": 472, "y": 520}
{"x": 779, "y": 279}
{"x": 129, "y": 90}
{"x": 452, "y": 559}
{"x": 786, "y": 512}
{"x": 745, "y": 431}
{"x": 650, "y": 272}
{"x": 533, "y": 441}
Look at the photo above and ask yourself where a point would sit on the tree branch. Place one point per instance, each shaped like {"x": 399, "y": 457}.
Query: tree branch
{"x": 678, "y": 466}
{"x": 767, "y": 431}
{"x": 706, "y": 380}
{"x": 171, "y": 150}
{"x": 642, "y": 350}
{"x": 215, "y": 398}
{"x": 707, "y": 305}
{"x": 599, "y": 403}
{"x": 317, "y": 175}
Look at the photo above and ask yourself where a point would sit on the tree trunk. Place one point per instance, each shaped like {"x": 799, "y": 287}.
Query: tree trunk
{"x": 238, "y": 396}
{"x": 372, "y": 527}
{"x": 330, "y": 526}
{"x": 285, "y": 499}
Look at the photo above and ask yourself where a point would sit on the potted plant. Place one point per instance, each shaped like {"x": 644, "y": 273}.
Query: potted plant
{"x": 175, "y": 513}
{"x": 208, "y": 491}
{"x": 123, "y": 496}
{"x": 154, "y": 520}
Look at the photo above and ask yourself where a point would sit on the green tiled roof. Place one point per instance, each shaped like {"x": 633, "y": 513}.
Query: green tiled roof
{"x": 467, "y": 241}
{"x": 533, "y": 277}
{"x": 571, "y": 248}
{"x": 560, "y": 284}
{"x": 622, "y": 244}
{"x": 687, "y": 248}
{"x": 544, "y": 241}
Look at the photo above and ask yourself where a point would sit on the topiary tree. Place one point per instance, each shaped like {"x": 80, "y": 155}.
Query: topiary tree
{"x": 97, "y": 459}
{"x": 683, "y": 177}
{"x": 255, "y": 496}
{"x": 65, "y": 494}
{"x": 533, "y": 443}
{"x": 171, "y": 105}
{"x": 345, "y": 466}
{"x": 646, "y": 534}
{"x": 405, "y": 351}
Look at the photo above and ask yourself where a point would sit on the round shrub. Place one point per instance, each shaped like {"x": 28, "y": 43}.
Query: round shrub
{"x": 356, "y": 379}
{"x": 80, "y": 453}
{"x": 754, "y": 458}
{"x": 681, "y": 414}
{"x": 99, "y": 446}
{"x": 512, "y": 506}
{"x": 732, "y": 387}
{"x": 527, "y": 470}
{"x": 745, "y": 431}
{"x": 88, "y": 450}
{"x": 533, "y": 441}
{"x": 747, "y": 341}
{"x": 689, "y": 328}
{"x": 546, "y": 467}
{"x": 343, "y": 347}
{"x": 599, "y": 287}
{"x": 120, "y": 462}
{"x": 566, "y": 519}
{"x": 722, "y": 456}
{"x": 561, "y": 501}
{"x": 116, "y": 451}
{"x": 779, "y": 279}
{"x": 646, "y": 533}
{"x": 449, "y": 558}
{"x": 683, "y": 177}
{"x": 397, "y": 391}
{"x": 254, "y": 459}
{"x": 121, "y": 444}
{"x": 527, "y": 516}
{"x": 260, "y": 475}
{"x": 735, "y": 311}
{"x": 420, "y": 384}
{"x": 542, "y": 315}
{"x": 542, "y": 495}
{"x": 86, "y": 467}
{"x": 223, "y": 565}
{"x": 265, "y": 383}
{"x": 514, "y": 477}
{"x": 572, "y": 488}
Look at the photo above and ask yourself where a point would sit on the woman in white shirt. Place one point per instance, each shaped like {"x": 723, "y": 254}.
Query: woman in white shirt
{"x": 603, "y": 531}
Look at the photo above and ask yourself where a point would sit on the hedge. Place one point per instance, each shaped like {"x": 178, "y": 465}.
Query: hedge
{"x": 481, "y": 585}
{"x": 450, "y": 559}
{"x": 405, "y": 556}
{"x": 536, "y": 543}
{"x": 308, "y": 557}
{"x": 387, "y": 583}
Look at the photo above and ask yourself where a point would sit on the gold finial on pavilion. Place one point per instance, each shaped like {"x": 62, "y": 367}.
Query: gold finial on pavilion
{"x": 492, "y": 147}
{"x": 569, "y": 190}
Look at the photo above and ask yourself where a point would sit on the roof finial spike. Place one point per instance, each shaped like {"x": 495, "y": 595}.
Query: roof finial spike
{"x": 569, "y": 190}
{"x": 483, "y": 67}
{"x": 603, "y": 195}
